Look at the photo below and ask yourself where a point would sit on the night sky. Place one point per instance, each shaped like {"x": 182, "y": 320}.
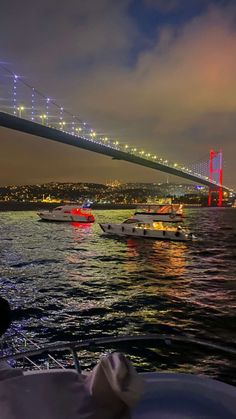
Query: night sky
{"x": 157, "y": 74}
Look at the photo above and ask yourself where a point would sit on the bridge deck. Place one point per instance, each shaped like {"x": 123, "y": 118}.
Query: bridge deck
{"x": 29, "y": 127}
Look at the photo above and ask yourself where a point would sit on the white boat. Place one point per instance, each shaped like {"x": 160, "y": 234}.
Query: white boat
{"x": 113, "y": 384}
{"x": 160, "y": 212}
{"x": 68, "y": 213}
{"x": 138, "y": 226}
{"x": 155, "y": 221}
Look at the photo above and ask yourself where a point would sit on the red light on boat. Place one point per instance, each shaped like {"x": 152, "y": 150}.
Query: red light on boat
{"x": 84, "y": 214}
{"x": 79, "y": 211}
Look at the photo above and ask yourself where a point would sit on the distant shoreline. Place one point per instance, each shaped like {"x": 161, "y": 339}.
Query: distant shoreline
{"x": 37, "y": 206}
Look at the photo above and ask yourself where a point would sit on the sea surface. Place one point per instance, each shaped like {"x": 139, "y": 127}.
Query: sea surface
{"x": 69, "y": 281}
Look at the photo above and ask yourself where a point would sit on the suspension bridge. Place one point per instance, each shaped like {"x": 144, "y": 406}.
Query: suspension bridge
{"x": 24, "y": 108}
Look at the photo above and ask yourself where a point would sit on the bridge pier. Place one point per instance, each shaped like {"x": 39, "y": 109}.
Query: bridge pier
{"x": 219, "y": 192}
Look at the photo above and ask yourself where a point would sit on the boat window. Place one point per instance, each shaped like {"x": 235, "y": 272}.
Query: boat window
{"x": 144, "y": 225}
{"x": 58, "y": 209}
{"x": 158, "y": 225}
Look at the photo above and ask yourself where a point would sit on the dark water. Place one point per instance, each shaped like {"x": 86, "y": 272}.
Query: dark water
{"x": 68, "y": 281}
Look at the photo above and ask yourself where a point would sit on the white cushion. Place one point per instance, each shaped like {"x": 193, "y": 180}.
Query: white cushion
{"x": 58, "y": 394}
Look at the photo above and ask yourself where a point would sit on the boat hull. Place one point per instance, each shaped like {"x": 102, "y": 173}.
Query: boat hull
{"x": 65, "y": 218}
{"x": 134, "y": 231}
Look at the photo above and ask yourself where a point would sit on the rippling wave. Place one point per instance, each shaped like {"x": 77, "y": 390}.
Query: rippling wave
{"x": 68, "y": 281}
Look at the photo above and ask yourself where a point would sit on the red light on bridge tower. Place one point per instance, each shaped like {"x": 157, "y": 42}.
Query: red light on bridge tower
{"x": 216, "y": 168}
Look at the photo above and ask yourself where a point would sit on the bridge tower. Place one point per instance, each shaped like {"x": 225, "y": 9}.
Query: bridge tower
{"x": 216, "y": 174}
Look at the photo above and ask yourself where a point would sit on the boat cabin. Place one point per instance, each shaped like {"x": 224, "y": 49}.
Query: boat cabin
{"x": 156, "y": 209}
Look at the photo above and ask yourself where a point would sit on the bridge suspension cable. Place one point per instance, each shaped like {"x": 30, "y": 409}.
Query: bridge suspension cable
{"x": 25, "y": 102}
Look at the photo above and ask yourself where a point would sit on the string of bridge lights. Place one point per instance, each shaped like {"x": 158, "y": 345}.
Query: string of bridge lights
{"x": 78, "y": 128}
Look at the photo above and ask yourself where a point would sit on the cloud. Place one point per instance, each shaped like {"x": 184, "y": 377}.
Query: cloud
{"x": 185, "y": 80}
{"x": 167, "y": 6}
{"x": 184, "y": 6}
{"x": 59, "y": 32}
{"x": 174, "y": 95}
{"x": 191, "y": 69}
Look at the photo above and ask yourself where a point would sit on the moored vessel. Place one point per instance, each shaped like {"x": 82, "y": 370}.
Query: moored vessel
{"x": 153, "y": 222}
{"x": 154, "y": 230}
{"x": 68, "y": 213}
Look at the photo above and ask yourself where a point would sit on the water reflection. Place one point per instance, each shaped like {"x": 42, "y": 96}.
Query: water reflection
{"x": 80, "y": 225}
{"x": 156, "y": 255}
{"x": 69, "y": 280}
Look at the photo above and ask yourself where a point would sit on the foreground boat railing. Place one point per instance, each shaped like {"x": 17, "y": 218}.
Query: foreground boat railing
{"x": 91, "y": 344}
{"x": 28, "y": 341}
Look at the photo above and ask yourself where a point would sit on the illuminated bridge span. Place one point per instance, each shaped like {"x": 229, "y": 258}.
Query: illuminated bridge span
{"x": 24, "y": 108}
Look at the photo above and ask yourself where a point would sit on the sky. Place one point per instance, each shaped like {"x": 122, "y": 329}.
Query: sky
{"x": 156, "y": 74}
